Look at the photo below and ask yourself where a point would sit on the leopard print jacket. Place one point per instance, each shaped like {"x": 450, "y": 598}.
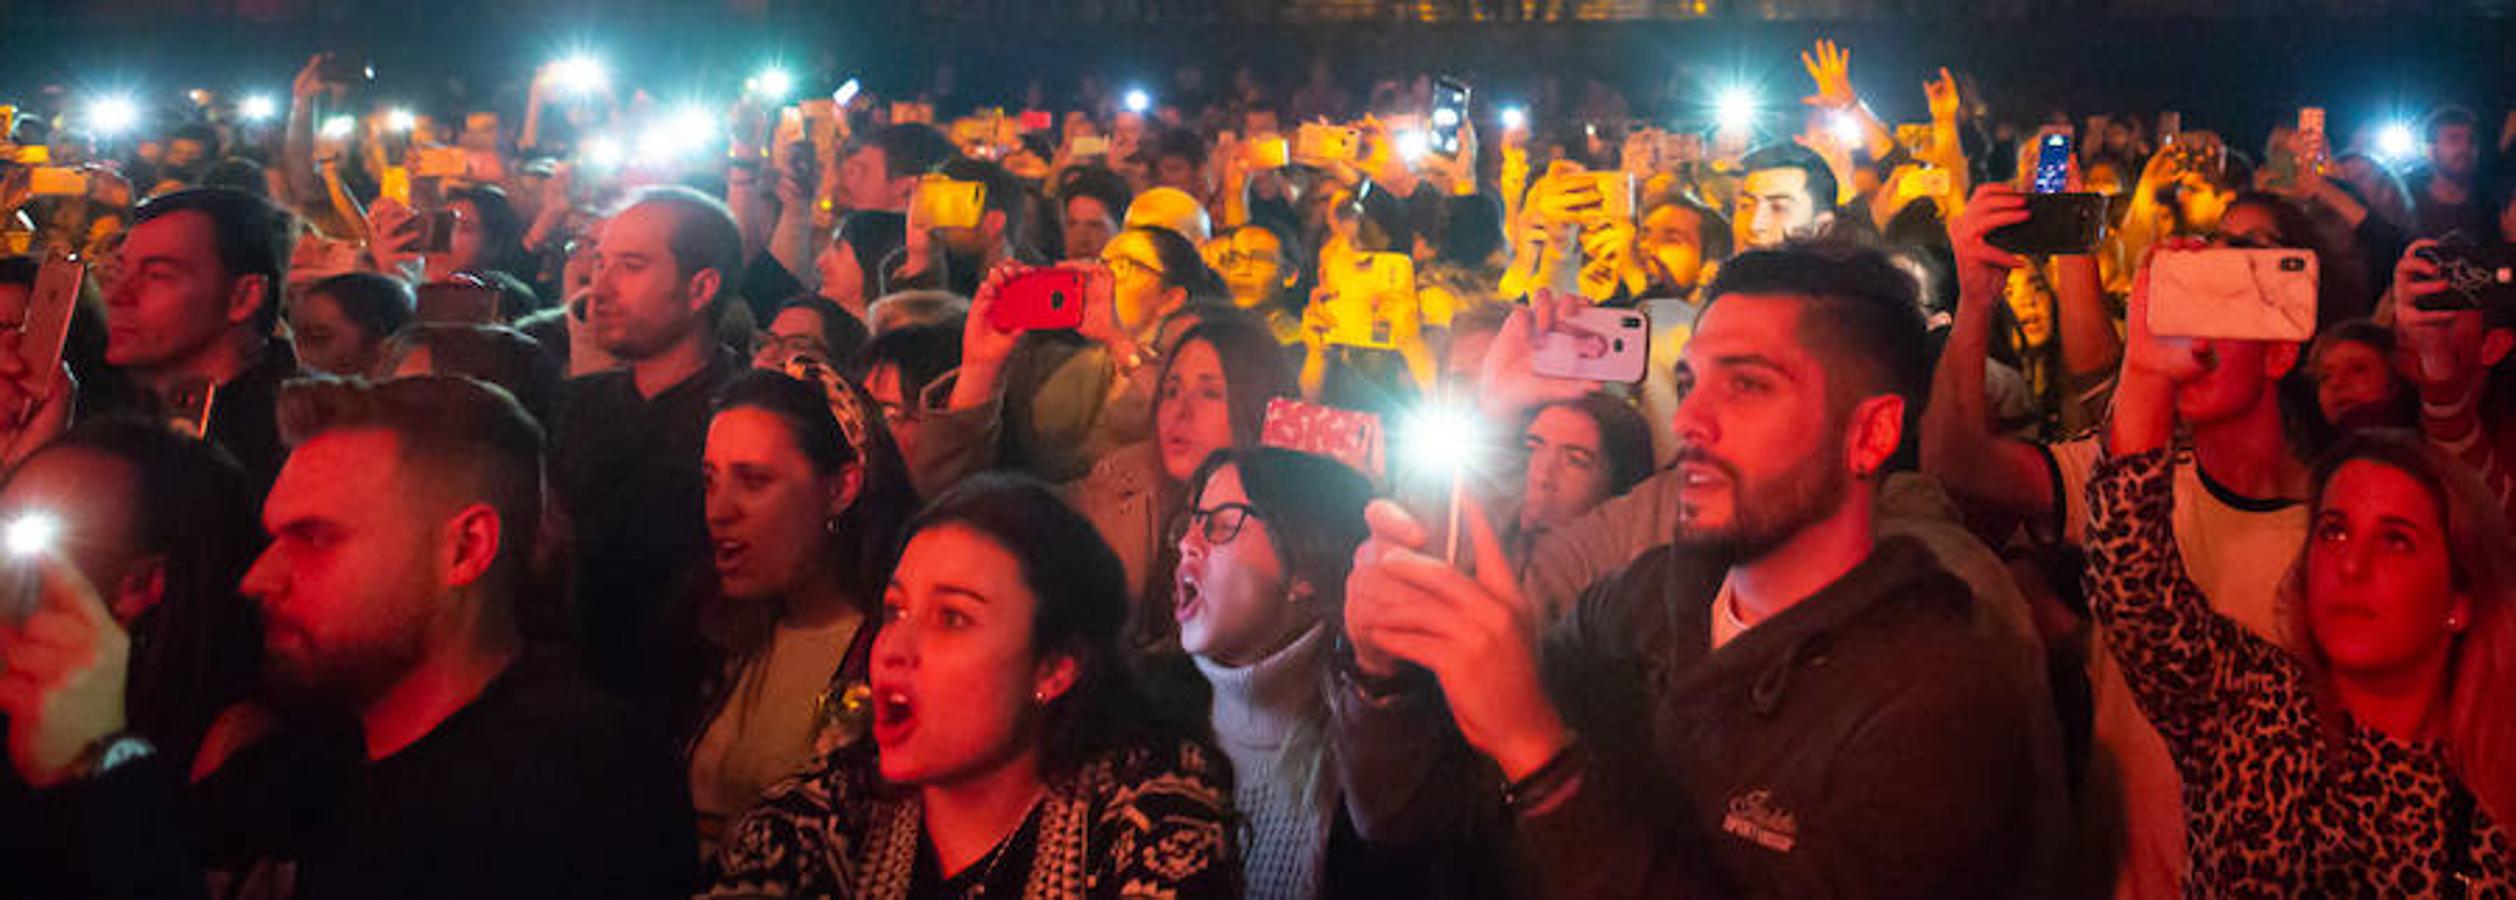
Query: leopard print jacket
{"x": 1145, "y": 822}
{"x": 2274, "y": 805}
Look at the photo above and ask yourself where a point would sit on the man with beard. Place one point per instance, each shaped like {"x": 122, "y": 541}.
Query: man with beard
{"x": 403, "y": 528}
{"x": 1775, "y": 702}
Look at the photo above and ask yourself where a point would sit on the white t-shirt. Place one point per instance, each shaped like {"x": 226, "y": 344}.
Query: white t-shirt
{"x": 2237, "y": 550}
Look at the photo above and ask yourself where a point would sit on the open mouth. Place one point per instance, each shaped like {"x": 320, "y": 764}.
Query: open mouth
{"x": 1187, "y": 601}
{"x": 895, "y": 715}
{"x": 729, "y": 554}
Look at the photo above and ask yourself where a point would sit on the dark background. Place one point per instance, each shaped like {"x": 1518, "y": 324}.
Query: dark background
{"x": 2237, "y": 65}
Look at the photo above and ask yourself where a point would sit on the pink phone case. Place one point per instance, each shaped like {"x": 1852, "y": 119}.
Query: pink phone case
{"x": 1596, "y": 344}
{"x": 1352, "y": 437}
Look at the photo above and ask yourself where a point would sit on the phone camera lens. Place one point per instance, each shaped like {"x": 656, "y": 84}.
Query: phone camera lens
{"x": 1618, "y": 344}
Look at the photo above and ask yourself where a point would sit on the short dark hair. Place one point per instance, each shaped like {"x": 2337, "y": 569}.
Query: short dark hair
{"x": 841, "y": 331}
{"x": 1081, "y": 591}
{"x": 467, "y": 438}
{"x": 1859, "y": 317}
{"x": 1821, "y": 178}
{"x": 493, "y": 354}
{"x": 238, "y": 173}
{"x": 703, "y": 236}
{"x": 2448, "y": 116}
{"x": 378, "y": 304}
{"x": 874, "y": 236}
{"x": 251, "y": 235}
{"x": 1182, "y": 143}
{"x": 1712, "y": 229}
{"x": 922, "y": 353}
{"x": 908, "y": 148}
{"x": 1183, "y": 266}
{"x": 1098, "y": 183}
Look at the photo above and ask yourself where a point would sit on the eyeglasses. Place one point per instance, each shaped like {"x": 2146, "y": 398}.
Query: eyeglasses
{"x": 1125, "y": 265}
{"x": 1233, "y": 259}
{"x": 1220, "y": 524}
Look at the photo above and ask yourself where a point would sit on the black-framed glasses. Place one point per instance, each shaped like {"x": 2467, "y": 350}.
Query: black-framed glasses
{"x": 1220, "y": 524}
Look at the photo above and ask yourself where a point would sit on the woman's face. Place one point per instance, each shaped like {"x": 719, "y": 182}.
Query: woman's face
{"x": 958, "y": 689}
{"x": 328, "y": 341}
{"x": 468, "y": 251}
{"x": 2350, "y": 375}
{"x": 1235, "y": 605}
{"x": 899, "y": 409}
{"x": 795, "y": 332}
{"x": 1568, "y": 471}
{"x": 1136, "y": 290}
{"x": 842, "y": 280}
{"x": 2380, "y": 583}
{"x": 1194, "y": 416}
{"x": 2032, "y": 307}
{"x": 766, "y": 506}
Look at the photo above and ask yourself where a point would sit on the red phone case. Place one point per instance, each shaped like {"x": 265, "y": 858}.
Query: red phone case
{"x": 1039, "y": 300}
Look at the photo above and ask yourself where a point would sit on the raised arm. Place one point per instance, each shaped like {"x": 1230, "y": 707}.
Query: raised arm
{"x": 1959, "y": 447}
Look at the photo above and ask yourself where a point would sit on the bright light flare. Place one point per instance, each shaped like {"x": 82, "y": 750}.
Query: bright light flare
{"x": 1138, "y": 101}
{"x": 1847, "y": 129}
{"x": 1515, "y": 118}
{"x": 257, "y": 108}
{"x": 400, "y": 121}
{"x": 1441, "y": 439}
{"x": 773, "y": 83}
{"x": 846, "y": 93}
{"x": 679, "y": 135}
{"x": 2397, "y": 142}
{"x": 1735, "y": 109}
{"x": 31, "y": 533}
{"x": 580, "y": 74}
{"x": 1413, "y": 145}
{"x": 339, "y": 127}
{"x": 605, "y": 152}
{"x": 113, "y": 115}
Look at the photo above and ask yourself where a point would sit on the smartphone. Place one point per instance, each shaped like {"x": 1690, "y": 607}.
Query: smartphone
{"x": 56, "y": 181}
{"x": 189, "y": 404}
{"x": 2170, "y": 126}
{"x": 2052, "y": 162}
{"x": 33, "y": 155}
{"x": 438, "y": 162}
{"x": 436, "y": 231}
{"x": 462, "y": 302}
{"x": 1044, "y": 299}
{"x": 1450, "y": 112}
{"x": 2476, "y": 277}
{"x": 2234, "y": 293}
{"x": 1914, "y": 138}
{"x": 1928, "y": 183}
{"x": 1270, "y": 153}
{"x": 346, "y": 70}
{"x": 1038, "y": 120}
{"x": 1595, "y": 344}
{"x": 1349, "y": 436}
{"x": 47, "y": 326}
{"x": 1089, "y": 146}
{"x": 2311, "y": 146}
{"x": 1355, "y": 288}
{"x": 1616, "y": 193}
{"x": 2056, "y": 225}
{"x": 943, "y": 202}
{"x": 1314, "y": 141}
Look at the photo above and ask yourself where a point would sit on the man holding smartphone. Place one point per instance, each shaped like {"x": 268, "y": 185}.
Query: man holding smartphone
{"x": 1674, "y": 734}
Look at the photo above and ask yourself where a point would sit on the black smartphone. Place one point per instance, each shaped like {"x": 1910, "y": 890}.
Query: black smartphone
{"x": 347, "y": 70}
{"x": 189, "y": 403}
{"x": 436, "y": 231}
{"x": 2056, "y": 225}
{"x": 2476, "y": 277}
{"x": 462, "y": 301}
{"x": 1450, "y": 111}
{"x": 2052, "y": 162}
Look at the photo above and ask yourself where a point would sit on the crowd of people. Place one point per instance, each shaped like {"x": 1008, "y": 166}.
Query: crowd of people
{"x": 1249, "y": 492}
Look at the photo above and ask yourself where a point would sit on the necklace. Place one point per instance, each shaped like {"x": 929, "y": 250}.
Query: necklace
{"x": 996, "y": 855}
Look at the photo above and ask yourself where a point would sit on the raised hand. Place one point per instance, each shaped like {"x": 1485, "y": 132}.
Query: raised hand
{"x": 62, "y": 673}
{"x": 1831, "y": 69}
{"x": 1946, "y": 102}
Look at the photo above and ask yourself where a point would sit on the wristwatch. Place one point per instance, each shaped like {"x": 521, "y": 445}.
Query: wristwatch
{"x": 108, "y": 753}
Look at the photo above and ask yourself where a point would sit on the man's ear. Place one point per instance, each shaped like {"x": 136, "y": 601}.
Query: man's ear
{"x": 703, "y": 289}
{"x": 245, "y": 299}
{"x": 2495, "y": 344}
{"x": 470, "y": 544}
{"x": 140, "y": 589}
{"x": 1876, "y": 430}
{"x": 2279, "y": 358}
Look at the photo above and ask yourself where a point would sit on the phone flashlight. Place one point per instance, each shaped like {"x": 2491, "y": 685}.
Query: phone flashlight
{"x": 604, "y": 152}
{"x": 1735, "y": 109}
{"x": 339, "y": 127}
{"x": 399, "y": 120}
{"x": 773, "y": 83}
{"x": 1515, "y": 118}
{"x": 2397, "y": 143}
{"x": 31, "y": 533}
{"x": 1847, "y": 129}
{"x": 1413, "y": 145}
{"x": 579, "y": 74}
{"x": 1441, "y": 439}
{"x": 1138, "y": 101}
{"x": 257, "y": 108}
{"x": 113, "y": 115}
{"x": 846, "y": 93}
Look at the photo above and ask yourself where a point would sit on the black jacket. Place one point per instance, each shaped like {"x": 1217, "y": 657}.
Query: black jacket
{"x": 1861, "y": 743}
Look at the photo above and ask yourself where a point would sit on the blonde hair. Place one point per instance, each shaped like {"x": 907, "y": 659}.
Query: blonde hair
{"x": 2481, "y": 672}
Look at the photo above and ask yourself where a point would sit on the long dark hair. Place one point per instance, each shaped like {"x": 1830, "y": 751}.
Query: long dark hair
{"x": 199, "y": 649}
{"x": 1624, "y": 437}
{"x": 1081, "y": 593}
{"x": 1254, "y": 367}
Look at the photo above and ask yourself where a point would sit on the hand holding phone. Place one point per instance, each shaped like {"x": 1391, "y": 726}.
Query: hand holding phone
{"x": 1594, "y": 343}
{"x": 1042, "y": 299}
{"x": 1352, "y": 437}
{"x": 2233, "y": 293}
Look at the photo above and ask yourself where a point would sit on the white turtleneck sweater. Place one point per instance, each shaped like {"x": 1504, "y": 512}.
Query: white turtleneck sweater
{"x": 1256, "y": 708}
